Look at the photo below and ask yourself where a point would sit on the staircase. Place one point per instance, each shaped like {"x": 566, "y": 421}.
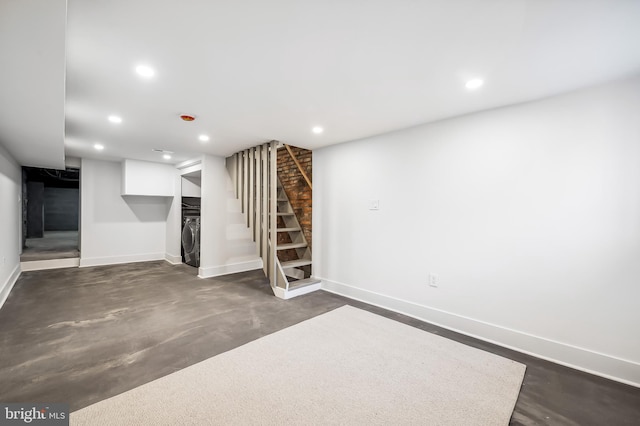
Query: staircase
{"x": 281, "y": 243}
{"x": 292, "y": 245}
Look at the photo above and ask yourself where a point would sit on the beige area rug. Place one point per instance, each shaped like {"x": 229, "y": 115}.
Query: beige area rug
{"x": 345, "y": 367}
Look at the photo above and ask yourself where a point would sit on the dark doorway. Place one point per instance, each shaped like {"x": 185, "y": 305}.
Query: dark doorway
{"x": 35, "y": 210}
{"x": 190, "y": 247}
{"x": 50, "y": 213}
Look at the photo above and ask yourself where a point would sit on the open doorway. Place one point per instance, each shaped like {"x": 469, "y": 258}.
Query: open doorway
{"x": 191, "y": 201}
{"x": 51, "y": 205}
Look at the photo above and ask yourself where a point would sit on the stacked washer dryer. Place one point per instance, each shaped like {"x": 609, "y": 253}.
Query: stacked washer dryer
{"x": 191, "y": 231}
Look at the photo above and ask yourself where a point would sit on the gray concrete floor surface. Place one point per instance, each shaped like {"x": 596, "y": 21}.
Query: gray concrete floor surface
{"x": 81, "y": 335}
{"x": 53, "y": 245}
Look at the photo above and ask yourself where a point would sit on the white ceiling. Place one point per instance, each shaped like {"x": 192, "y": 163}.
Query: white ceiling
{"x": 256, "y": 70}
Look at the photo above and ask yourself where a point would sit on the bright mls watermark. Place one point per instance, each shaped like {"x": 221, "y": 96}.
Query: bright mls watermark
{"x": 34, "y": 414}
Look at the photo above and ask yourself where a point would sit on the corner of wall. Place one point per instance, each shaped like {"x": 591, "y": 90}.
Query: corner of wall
{"x": 10, "y": 222}
{"x": 6, "y": 288}
{"x": 173, "y": 259}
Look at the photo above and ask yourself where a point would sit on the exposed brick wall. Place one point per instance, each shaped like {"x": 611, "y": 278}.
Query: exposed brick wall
{"x": 296, "y": 187}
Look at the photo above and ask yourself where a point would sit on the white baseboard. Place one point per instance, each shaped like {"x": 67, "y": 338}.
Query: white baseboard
{"x": 114, "y": 260}
{"x": 40, "y": 265}
{"x": 173, "y": 259}
{"x": 7, "y": 286}
{"x": 284, "y": 294}
{"x": 608, "y": 366}
{"x": 231, "y": 268}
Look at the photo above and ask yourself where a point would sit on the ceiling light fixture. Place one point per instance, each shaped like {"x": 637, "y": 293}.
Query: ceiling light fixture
{"x": 166, "y": 157}
{"x": 474, "y": 84}
{"x": 203, "y": 138}
{"x": 98, "y": 147}
{"x": 187, "y": 117}
{"x": 317, "y": 130}
{"x": 114, "y": 119}
{"x": 145, "y": 71}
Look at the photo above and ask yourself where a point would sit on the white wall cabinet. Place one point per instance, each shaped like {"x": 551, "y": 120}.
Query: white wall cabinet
{"x": 147, "y": 178}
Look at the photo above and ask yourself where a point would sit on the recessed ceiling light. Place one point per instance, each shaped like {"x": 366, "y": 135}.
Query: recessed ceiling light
{"x": 145, "y": 71}
{"x": 317, "y": 130}
{"x": 474, "y": 84}
{"x": 166, "y": 157}
{"x": 203, "y": 138}
{"x": 98, "y": 147}
{"x": 114, "y": 119}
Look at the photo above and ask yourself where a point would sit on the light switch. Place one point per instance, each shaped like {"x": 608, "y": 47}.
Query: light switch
{"x": 374, "y": 205}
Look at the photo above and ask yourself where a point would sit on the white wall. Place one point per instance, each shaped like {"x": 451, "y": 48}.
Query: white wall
{"x": 191, "y": 187}
{"x": 116, "y": 228}
{"x": 530, "y": 216}
{"x": 226, "y": 245}
{"x": 10, "y": 223}
{"x": 173, "y": 238}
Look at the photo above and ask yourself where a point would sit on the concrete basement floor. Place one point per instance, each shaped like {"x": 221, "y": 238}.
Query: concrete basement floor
{"x": 53, "y": 245}
{"x": 83, "y": 335}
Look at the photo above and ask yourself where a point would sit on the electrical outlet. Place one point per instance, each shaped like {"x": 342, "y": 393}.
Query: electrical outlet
{"x": 433, "y": 280}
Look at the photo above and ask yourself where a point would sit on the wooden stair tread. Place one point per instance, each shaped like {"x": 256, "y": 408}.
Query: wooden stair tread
{"x": 288, "y": 229}
{"x": 290, "y": 246}
{"x": 296, "y": 263}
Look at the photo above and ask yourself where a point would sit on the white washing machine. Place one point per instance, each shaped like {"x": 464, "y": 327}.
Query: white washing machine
{"x": 191, "y": 240}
